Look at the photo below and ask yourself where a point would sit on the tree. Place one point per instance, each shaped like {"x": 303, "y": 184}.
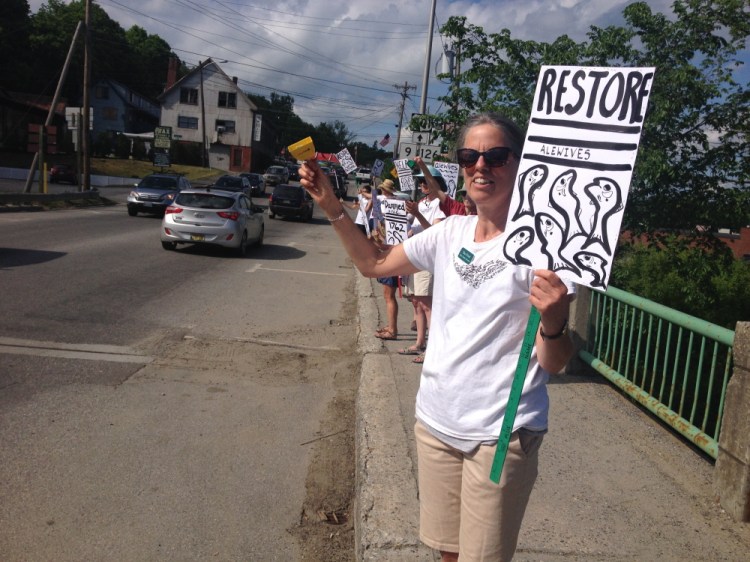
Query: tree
{"x": 15, "y": 23}
{"x": 150, "y": 55}
{"x": 693, "y": 162}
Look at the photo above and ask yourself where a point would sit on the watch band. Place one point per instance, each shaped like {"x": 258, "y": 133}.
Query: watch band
{"x": 559, "y": 334}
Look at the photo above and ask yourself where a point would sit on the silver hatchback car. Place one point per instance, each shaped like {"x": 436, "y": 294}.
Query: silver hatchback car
{"x": 212, "y": 217}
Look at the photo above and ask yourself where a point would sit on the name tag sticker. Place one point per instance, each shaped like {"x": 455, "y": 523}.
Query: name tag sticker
{"x": 465, "y": 255}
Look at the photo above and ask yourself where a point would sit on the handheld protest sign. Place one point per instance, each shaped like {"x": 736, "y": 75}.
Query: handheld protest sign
{"x": 450, "y": 172}
{"x": 405, "y": 178}
{"x": 572, "y": 185}
{"x": 574, "y": 174}
{"x": 394, "y": 213}
{"x": 302, "y": 150}
{"x": 346, "y": 161}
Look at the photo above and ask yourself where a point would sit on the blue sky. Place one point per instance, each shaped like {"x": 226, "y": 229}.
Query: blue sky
{"x": 342, "y": 60}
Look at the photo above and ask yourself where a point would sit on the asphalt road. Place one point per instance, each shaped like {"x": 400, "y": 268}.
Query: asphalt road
{"x": 158, "y": 405}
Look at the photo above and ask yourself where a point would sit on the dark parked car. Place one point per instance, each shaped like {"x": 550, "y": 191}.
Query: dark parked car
{"x": 234, "y": 183}
{"x": 293, "y": 172}
{"x": 257, "y": 183}
{"x": 290, "y": 201}
{"x": 155, "y": 192}
{"x": 60, "y": 172}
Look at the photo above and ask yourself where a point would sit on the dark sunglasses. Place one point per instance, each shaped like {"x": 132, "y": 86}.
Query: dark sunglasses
{"x": 494, "y": 157}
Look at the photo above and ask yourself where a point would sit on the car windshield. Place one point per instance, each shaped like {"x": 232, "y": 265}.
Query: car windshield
{"x": 204, "y": 201}
{"x": 287, "y": 191}
{"x": 253, "y": 178}
{"x": 228, "y": 181}
{"x": 158, "y": 182}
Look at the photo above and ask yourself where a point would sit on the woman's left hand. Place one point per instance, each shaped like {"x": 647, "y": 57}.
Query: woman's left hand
{"x": 550, "y": 297}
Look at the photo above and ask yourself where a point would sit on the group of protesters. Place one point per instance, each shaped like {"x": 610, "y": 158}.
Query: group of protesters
{"x": 430, "y": 204}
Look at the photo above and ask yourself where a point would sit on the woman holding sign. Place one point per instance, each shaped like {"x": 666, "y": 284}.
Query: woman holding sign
{"x": 481, "y": 306}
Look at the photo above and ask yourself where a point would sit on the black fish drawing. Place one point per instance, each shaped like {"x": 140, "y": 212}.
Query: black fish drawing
{"x": 550, "y": 233}
{"x": 606, "y": 197}
{"x": 593, "y": 264}
{"x": 576, "y": 226}
{"x": 516, "y": 243}
{"x": 528, "y": 184}
{"x": 557, "y": 195}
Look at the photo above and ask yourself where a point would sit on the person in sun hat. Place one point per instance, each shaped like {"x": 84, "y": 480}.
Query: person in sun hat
{"x": 482, "y": 303}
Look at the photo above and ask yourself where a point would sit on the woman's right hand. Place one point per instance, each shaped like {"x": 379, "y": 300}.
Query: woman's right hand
{"x": 317, "y": 184}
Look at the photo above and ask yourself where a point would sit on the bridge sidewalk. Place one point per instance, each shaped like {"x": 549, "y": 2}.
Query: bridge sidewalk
{"x": 614, "y": 484}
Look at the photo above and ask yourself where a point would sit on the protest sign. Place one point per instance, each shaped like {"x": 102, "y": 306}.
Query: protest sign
{"x": 570, "y": 191}
{"x": 405, "y": 177}
{"x": 449, "y": 171}
{"x": 394, "y": 213}
{"x": 377, "y": 168}
{"x": 346, "y": 161}
{"x": 574, "y": 174}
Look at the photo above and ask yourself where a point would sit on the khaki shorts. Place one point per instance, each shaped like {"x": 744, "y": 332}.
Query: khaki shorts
{"x": 461, "y": 509}
{"x": 420, "y": 284}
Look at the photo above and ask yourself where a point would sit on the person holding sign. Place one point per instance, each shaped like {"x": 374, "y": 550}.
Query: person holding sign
{"x": 481, "y": 306}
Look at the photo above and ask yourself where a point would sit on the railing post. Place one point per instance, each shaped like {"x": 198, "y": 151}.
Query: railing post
{"x": 732, "y": 472}
{"x": 578, "y": 325}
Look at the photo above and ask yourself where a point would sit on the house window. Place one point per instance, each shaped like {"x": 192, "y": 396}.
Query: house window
{"x": 101, "y": 92}
{"x": 228, "y": 126}
{"x": 185, "y": 122}
{"x": 227, "y": 99}
{"x": 189, "y": 96}
{"x": 109, "y": 113}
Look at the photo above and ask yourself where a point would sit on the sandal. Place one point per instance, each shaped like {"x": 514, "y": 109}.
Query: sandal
{"x": 386, "y": 335}
{"x": 419, "y": 359}
{"x": 411, "y": 350}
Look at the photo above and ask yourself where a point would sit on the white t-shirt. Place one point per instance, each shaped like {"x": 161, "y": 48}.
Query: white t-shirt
{"x": 362, "y": 216}
{"x": 430, "y": 210}
{"x": 480, "y": 309}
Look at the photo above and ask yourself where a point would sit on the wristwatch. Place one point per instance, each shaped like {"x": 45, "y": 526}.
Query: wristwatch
{"x": 559, "y": 334}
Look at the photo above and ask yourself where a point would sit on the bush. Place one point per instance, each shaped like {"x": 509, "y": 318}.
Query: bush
{"x": 701, "y": 280}
{"x": 188, "y": 153}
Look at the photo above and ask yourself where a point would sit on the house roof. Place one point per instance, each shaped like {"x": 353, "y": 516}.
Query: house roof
{"x": 33, "y": 101}
{"x": 208, "y": 62}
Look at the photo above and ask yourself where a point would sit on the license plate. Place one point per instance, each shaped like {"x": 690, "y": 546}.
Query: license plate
{"x": 148, "y": 204}
{"x": 197, "y": 237}
{"x": 285, "y": 202}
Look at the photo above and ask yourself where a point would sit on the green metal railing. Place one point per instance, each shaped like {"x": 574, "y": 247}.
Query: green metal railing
{"x": 675, "y": 365}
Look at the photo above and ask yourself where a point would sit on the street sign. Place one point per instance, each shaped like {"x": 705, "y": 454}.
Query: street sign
{"x": 162, "y": 137}
{"x": 426, "y": 151}
{"x": 161, "y": 159}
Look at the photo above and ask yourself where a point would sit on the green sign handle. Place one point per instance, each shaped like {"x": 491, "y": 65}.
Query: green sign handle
{"x": 529, "y": 337}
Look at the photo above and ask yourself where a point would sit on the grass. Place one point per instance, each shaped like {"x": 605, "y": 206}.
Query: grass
{"x": 110, "y": 166}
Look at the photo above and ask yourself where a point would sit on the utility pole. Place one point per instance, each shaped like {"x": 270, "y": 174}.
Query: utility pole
{"x": 204, "y": 160}
{"x": 404, "y": 95}
{"x": 86, "y": 135}
{"x": 428, "y": 54}
{"x": 51, "y": 112}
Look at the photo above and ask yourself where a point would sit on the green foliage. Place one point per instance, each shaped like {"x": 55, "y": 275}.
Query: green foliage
{"x": 693, "y": 167}
{"x": 188, "y": 153}
{"x": 704, "y": 281}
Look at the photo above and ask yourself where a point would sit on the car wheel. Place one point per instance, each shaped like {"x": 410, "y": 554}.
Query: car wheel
{"x": 132, "y": 211}
{"x": 242, "y": 248}
{"x": 272, "y": 215}
{"x": 169, "y": 245}
{"x": 308, "y": 216}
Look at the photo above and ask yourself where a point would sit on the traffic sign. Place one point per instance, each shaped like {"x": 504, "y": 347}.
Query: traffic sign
{"x": 426, "y": 151}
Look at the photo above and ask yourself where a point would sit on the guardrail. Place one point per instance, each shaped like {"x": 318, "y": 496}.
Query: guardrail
{"x": 674, "y": 364}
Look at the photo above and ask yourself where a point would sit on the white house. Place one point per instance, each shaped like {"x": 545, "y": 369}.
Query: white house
{"x": 206, "y": 106}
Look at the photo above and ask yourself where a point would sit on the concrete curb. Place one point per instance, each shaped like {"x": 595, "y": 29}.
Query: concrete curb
{"x": 386, "y": 506}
